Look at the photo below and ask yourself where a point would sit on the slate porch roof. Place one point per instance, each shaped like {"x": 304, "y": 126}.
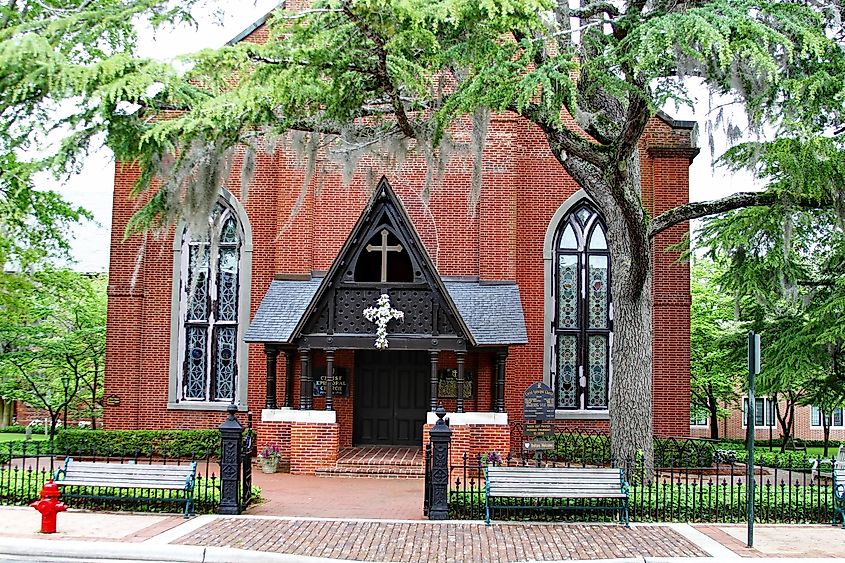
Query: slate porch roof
{"x": 492, "y": 312}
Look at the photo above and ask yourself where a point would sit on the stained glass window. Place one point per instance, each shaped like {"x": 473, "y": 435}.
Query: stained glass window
{"x": 582, "y": 323}
{"x": 210, "y": 285}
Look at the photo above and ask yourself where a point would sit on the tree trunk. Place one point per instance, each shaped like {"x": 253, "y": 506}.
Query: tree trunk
{"x": 6, "y": 408}
{"x": 714, "y": 419}
{"x": 630, "y": 404}
{"x": 616, "y": 191}
{"x": 826, "y": 429}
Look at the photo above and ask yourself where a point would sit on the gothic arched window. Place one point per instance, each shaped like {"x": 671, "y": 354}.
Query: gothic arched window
{"x": 581, "y": 323}
{"x": 210, "y": 286}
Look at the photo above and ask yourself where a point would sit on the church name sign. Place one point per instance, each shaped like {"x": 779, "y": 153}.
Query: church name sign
{"x": 539, "y": 407}
{"x": 340, "y": 387}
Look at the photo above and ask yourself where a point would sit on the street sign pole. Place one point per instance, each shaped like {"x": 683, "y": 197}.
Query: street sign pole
{"x": 753, "y": 369}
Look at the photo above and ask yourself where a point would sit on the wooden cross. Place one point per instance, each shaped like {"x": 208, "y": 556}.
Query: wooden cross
{"x": 384, "y": 248}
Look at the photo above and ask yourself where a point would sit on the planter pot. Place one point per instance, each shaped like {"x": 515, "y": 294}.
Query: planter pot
{"x": 270, "y": 465}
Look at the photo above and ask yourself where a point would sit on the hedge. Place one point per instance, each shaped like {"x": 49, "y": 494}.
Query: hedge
{"x": 666, "y": 502}
{"x": 22, "y": 491}
{"x": 595, "y": 448}
{"x": 170, "y": 443}
{"x": 13, "y": 429}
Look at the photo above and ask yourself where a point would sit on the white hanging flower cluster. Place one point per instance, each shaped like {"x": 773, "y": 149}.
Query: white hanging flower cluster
{"x": 382, "y": 314}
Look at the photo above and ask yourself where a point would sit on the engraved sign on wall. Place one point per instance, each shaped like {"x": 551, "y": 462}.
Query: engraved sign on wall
{"x": 447, "y": 383}
{"x": 340, "y": 388}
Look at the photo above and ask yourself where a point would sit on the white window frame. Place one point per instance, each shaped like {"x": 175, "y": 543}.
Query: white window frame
{"x": 816, "y": 422}
{"x": 175, "y": 400}
{"x": 550, "y": 305}
{"x": 769, "y": 412}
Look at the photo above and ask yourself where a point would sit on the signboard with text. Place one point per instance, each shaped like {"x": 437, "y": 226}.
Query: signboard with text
{"x": 539, "y": 402}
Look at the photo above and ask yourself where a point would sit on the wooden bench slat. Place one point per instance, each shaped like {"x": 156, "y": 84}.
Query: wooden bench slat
{"x": 556, "y": 482}
{"x": 125, "y": 476}
{"x": 561, "y": 495}
{"x": 139, "y": 485}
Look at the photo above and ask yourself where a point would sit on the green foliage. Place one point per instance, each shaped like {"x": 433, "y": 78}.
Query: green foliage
{"x": 14, "y": 429}
{"x": 21, "y": 487}
{"x": 716, "y": 343}
{"x": 170, "y": 443}
{"x": 672, "y": 502}
{"x": 53, "y": 338}
{"x": 377, "y": 76}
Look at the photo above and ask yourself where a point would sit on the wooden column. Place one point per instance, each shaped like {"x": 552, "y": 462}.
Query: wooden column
{"x": 270, "y": 394}
{"x": 433, "y": 354}
{"x": 330, "y": 379}
{"x": 499, "y": 392}
{"x": 305, "y": 392}
{"x": 460, "y": 355}
{"x": 290, "y": 358}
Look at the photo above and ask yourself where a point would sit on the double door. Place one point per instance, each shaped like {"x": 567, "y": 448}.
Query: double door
{"x": 391, "y": 397}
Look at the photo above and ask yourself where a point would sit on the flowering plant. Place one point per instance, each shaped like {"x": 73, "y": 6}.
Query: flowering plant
{"x": 493, "y": 458}
{"x": 382, "y": 314}
{"x": 270, "y": 451}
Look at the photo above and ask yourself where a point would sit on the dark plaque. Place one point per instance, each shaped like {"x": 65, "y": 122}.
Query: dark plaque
{"x": 538, "y": 430}
{"x": 447, "y": 383}
{"x": 539, "y": 402}
{"x": 340, "y": 387}
{"x": 112, "y": 401}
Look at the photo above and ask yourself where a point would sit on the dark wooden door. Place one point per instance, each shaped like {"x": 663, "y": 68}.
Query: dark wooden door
{"x": 391, "y": 397}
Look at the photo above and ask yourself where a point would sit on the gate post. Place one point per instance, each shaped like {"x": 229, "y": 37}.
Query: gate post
{"x": 440, "y": 436}
{"x": 231, "y": 433}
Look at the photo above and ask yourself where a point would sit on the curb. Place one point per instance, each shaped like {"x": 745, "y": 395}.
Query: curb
{"x": 20, "y": 549}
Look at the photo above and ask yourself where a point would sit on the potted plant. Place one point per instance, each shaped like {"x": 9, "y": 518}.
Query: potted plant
{"x": 269, "y": 457}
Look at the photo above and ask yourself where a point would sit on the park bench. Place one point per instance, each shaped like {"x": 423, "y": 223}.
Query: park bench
{"x": 556, "y": 482}
{"x": 80, "y": 477}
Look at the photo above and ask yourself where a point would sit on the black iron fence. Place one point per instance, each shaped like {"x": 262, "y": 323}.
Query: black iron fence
{"x": 26, "y": 466}
{"x": 691, "y": 481}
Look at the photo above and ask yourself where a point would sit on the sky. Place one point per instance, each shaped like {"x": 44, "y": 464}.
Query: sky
{"x": 92, "y": 188}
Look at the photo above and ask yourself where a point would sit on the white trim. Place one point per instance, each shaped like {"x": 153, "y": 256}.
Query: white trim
{"x": 832, "y": 425}
{"x": 291, "y": 415}
{"x": 203, "y": 406}
{"x": 563, "y": 414}
{"x": 467, "y": 418}
{"x": 548, "y": 282}
{"x": 767, "y": 402}
{"x": 244, "y": 297}
{"x": 549, "y": 304}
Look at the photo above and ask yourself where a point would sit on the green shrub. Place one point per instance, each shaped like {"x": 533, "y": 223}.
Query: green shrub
{"x": 14, "y": 429}
{"x": 170, "y": 443}
{"x": 665, "y": 502}
{"x": 23, "y": 487}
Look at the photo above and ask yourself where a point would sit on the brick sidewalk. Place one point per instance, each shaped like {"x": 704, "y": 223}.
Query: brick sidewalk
{"x": 441, "y": 542}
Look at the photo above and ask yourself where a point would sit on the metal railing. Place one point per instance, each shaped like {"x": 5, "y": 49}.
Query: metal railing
{"x": 26, "y": 466}
{"x": 692, "y": 481}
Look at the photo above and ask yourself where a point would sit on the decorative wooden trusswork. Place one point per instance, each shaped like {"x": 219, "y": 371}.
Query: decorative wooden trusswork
{"x": 383, "y": 255}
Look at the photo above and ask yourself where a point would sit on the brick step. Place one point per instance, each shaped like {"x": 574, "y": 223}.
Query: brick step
{"x": 373, "y": 471}
{"x": 410, "y": 462}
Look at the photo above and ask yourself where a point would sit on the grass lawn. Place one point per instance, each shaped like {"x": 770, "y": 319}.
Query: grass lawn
{"x": 9, "y": 437}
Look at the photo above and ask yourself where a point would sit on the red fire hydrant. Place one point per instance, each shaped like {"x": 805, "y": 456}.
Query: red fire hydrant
{"x": 49, "y": 506}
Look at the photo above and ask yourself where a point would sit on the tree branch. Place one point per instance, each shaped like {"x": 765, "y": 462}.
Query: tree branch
{"x": 381, "y": 73}
{"x": 594, "y": 9}
{"x": 562, "y": 138}
{"x": 740, "y": 200}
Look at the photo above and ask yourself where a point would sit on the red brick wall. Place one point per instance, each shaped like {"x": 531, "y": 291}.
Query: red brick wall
{"x": 732, "y": 427}
{"x": 501, "y": 238}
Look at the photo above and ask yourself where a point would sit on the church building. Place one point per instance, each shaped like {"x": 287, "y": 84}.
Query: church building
{"x": 342, "y": 313}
